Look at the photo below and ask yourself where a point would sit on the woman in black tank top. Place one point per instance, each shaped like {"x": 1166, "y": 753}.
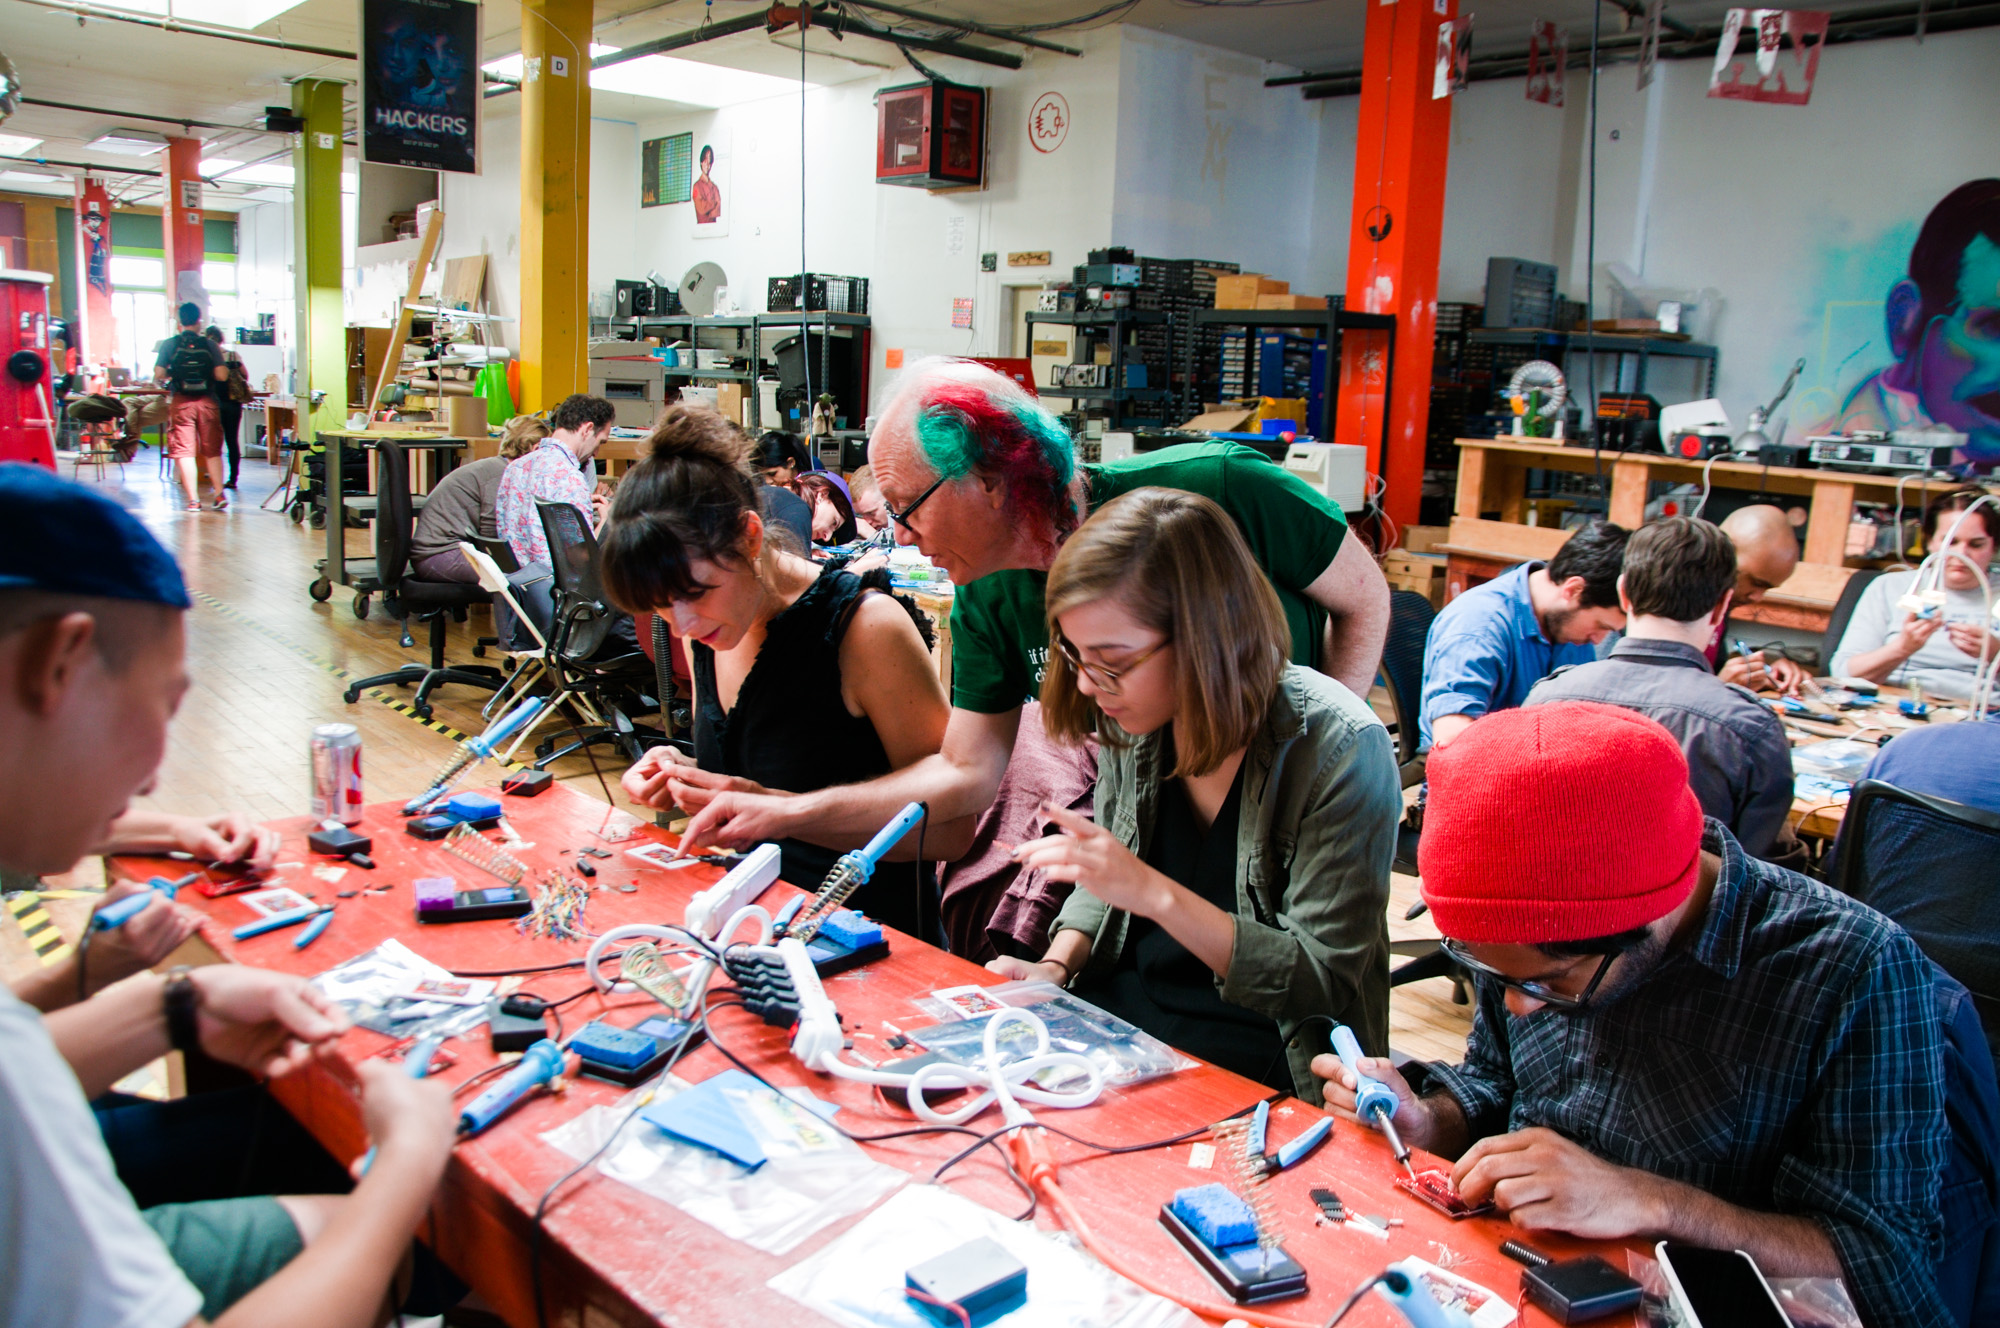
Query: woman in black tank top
{"x": 805, "y": 678}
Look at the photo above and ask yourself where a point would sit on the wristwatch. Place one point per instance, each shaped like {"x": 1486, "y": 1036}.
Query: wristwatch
{"x": 181, "y": 998}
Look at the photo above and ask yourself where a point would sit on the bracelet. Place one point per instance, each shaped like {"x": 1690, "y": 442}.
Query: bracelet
{"x": 181, "y": 998}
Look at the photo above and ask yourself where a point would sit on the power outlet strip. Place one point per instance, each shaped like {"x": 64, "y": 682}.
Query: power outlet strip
{"x": 745, "y": 883}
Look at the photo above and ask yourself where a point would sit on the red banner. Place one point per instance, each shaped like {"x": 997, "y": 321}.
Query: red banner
{"x": 1548, "y": 56}
{"x": 1784, "y": 62}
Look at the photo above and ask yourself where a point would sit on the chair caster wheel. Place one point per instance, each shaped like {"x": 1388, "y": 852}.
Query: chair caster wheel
{"x": 361, "y": 606}
{"x": 422, "y": 711}
{"x": 321, "y": 590}
{"x": 351, "y": 695}
{"x": 479, "y": 652}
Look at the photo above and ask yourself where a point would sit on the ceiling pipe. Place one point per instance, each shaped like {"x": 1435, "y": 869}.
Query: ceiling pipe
{"x": 182, "y": 121}
{"x": 962, "y": 25}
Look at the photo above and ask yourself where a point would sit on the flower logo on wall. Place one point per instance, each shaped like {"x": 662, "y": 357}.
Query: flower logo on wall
{"x": 1048, "y": 122}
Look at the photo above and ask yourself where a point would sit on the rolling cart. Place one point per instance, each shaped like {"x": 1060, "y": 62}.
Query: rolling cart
{"x": 359, "y": 574}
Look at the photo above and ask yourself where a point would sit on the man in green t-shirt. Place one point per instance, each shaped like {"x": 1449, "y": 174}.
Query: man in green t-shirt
{"x": 977, "y": 474}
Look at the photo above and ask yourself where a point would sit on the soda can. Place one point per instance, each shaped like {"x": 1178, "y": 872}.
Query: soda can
{"x": 336, "y": 768}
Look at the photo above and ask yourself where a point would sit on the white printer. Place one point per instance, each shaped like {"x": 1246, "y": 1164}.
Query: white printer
{"x": 1338, "y": 470}
{"x": 626, "y": 374}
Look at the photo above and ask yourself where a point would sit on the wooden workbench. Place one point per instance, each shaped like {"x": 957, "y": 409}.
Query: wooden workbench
{"x": 1488, "y": 529}
{"x": 613, "y": 1255}
{"x": 1817, "y": 817}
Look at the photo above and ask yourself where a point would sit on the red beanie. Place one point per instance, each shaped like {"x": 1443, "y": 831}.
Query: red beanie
{"x": 1560, "y": 822}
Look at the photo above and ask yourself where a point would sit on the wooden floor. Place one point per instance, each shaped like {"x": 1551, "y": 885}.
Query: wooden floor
{"x": 268, "y": 664}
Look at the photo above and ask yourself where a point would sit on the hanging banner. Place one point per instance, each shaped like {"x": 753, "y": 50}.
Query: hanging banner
{"x": 1548, "y": 56}
{"x": 420, "y": 84}
{"x": 1454, "y": 57}
{"x": 1786, "y": 59}
{"x": 1649, "y": 42}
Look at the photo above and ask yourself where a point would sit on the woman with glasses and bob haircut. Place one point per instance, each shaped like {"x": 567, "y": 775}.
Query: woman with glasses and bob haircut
{"x": 1235, "y": 881}
{"x": 804, "y": 677}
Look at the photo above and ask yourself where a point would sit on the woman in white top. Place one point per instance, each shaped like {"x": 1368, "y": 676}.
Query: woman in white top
{"x": 1941, "y": 650}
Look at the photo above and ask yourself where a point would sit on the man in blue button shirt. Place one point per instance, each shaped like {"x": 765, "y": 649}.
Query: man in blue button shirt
{"x": 1492, "y": 644}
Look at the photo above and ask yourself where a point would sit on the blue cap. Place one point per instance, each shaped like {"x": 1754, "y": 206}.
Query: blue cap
{"x": 65, "y": 539}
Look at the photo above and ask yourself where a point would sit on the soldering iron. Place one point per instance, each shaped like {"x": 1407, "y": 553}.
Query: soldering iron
{"x": 854, "y": 870}
{"x": 474, "y": 750}
{"x": 1372, "y": 1097}
{"x": 540, "y": 1064}
{"x": 120, "y": 912}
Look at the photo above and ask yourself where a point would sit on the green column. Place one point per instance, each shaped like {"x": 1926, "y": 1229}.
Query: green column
{"x": 322, "y": 319}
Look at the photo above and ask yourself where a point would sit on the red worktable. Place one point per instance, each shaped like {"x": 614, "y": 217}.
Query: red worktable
{"x": 613, "y": 1255}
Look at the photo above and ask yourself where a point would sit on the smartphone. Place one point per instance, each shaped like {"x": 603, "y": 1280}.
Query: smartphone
{"x": 1718, "y": 1288}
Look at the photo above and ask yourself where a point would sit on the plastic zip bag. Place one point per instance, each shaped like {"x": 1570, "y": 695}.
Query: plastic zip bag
{"x": 368, "y": 988}
{"x": 811, "y": 1178}
{"x": 1125, "y": 1054}
{"x": 858, "y": 1279}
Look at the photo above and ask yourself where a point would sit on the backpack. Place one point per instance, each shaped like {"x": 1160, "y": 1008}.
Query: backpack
{"x": 192, "y": 368}
{"x": 238, "y": 385}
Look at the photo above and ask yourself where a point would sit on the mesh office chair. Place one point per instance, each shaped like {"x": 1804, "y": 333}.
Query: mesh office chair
{"x": 585, "y": 658}
{"x": 404, "y": 595}
{"x": 1927, "y": 863}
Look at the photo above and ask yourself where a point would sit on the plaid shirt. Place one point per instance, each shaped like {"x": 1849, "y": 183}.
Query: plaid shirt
{"x": 548, "y": 474}
{"x": 1790, "y": 1060}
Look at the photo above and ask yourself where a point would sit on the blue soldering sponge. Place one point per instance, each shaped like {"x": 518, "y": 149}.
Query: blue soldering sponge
{"x": 846, "y": 927}
{"x": 1216, "y": 1214}
{"x": 474, "y": 807}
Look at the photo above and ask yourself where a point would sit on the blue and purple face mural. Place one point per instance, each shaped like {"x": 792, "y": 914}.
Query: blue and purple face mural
{"x": 1943, "y": 327}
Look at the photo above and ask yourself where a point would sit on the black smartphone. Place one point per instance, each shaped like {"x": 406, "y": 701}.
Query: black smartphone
{"x": 1718, "y": 1288}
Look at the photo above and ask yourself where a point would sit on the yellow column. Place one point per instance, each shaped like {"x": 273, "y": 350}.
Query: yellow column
{"x": 555, "y": 200}
{"x": 316, "y": 262}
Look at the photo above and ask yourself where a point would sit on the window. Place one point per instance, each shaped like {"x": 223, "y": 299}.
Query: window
{"x": 219, "y": 276}
{"x": 130, "y": 270}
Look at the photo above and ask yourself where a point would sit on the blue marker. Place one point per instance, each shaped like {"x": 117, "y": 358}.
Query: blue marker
{"x": 275, "y": 922}
{"x": 1372, "y": 1097}
{"x": 122, "y": 911}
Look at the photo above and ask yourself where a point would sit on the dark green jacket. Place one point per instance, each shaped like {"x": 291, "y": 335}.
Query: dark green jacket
{"x": 1314, "y": 843}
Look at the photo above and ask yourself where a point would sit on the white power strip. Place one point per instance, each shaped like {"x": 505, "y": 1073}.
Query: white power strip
{"x": 744, "y": 884}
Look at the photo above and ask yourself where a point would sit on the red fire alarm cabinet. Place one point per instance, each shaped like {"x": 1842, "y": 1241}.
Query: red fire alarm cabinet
{"x": 931, "y": 135}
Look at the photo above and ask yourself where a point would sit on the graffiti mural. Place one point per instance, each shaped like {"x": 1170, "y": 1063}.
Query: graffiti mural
{"x": 1929, "y": 351}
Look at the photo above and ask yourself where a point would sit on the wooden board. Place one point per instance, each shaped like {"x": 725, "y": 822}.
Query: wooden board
{"x": 464, "y": 283}
{"x": 392, "y": 358}
{"x": 1504, "y": 538}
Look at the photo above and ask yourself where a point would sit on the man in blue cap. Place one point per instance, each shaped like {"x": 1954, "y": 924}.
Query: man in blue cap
{"x": 91, "y": 671}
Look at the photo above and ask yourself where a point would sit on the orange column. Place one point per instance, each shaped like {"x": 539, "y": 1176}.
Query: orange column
{"x": 1392, "y": 249}
{"x": 96, "y": 336}
{"x": 180, "y": 229}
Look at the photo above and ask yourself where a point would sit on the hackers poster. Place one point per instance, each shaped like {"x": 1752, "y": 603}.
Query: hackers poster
{"x": 420, "y": 84}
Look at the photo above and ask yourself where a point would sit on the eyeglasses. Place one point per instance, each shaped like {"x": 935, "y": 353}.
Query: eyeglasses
{"x": 1534, "y": 991}
{"x": 1107, "y": 680}
{"x": 902, "y": 518}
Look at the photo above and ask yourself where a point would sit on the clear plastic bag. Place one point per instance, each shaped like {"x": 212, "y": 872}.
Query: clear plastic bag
{"x": 1809, "y": 1302}
{"x": 367, "y": 988}
{"x": 812, "y": 1177}
{"x": 1124, "y": 1054}
{"x": 1836, "y": 758}
{"x": 858, "y": 1279}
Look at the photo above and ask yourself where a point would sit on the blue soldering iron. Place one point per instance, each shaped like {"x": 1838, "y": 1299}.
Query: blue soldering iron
{"x": 120, "y": 912}
{"x": 541, "y": 1063}
{"x": 418, "y": 1064}
{"x": 474, "y": 750}
{"x": 1401, "y": 1284}
{"x": 853, "y": 870}
{"x": 1372, "y": 1097}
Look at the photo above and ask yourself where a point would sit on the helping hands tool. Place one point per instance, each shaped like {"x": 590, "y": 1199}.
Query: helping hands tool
{"x": 1372, "y": 1097}
{"x": 474, "y": 750}
{"x": 122, "y": 911}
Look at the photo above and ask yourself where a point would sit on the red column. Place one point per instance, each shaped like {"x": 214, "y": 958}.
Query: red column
{"x": 97, "y": 332}
{"x": 180, "y": 225}
{"x": 1392, "y": 249}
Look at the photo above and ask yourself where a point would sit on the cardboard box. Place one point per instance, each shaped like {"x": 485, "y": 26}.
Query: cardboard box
{"x": 1241, "y": 292}
{"x": 1223, "y": 419}
{"x": 1423, "y": 539}
{"x": 1431, "y": 588}
{"x": 729, "y": 401}
{"x": 1291, "y": 301}
{"x": 1419, "y": 565}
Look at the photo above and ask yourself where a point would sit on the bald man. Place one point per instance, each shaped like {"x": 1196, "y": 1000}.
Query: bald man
{"x": 1767, "y": 549}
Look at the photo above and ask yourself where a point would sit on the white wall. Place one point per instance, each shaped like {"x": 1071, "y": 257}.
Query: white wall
{"x": 264, "y": 280}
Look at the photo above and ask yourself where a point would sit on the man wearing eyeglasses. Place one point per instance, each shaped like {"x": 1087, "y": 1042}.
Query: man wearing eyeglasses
{"x": 1674, "y": 1040}
{"x": 978, "y": 475}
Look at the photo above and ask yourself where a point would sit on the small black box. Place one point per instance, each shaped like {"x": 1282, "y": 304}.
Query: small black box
{"x": 511, "y": 1032}
{"x": 527, "y": 783}
{"x": 1578, "y": 1290}
{"x": 338, "y": 842}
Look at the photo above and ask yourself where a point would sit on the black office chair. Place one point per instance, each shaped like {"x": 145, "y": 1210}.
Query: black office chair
{"x": 585, "y": 658}
{"x": 1843, "y": 610}
{"x": 1402, "y": 672}
{"x": 1927, "y": 862}
{"x": 404, "y": 595}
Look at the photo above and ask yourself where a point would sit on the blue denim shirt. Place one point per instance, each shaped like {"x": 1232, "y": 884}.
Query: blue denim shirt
{"x": 1486, "y": 650}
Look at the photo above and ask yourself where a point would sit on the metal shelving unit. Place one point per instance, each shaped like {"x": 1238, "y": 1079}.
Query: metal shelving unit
{"x": 753, "y": 350}
{"x": 1327, "y": 323}
{"x": 1122, "y": 323}
{"x": 1637, "y": 351}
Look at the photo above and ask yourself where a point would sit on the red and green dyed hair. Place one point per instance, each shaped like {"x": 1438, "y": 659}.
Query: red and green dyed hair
{"x": 964, "y": 425}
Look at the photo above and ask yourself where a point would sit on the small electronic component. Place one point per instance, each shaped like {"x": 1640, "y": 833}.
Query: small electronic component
{"x": 1219, "y": 1230}
{"x": 1330, "y": 1207}
{"x": 969, "y": 1286}
{"x": 438, "y": 900}
{"x": 338, "y": 842}
{"x": 467, "y": 843}
{"x": 1435, "y": 1188}
{"x": 527, "y": 783}
{"x": 430, "y": 827}
{"x": 584, "y": 868}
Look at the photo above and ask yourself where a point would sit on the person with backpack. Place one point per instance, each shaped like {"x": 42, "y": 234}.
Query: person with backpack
{"x": 189, "y": 367}
{"x": 231, "y": 392}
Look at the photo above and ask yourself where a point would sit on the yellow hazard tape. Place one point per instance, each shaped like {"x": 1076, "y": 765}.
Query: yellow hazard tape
{"x": 37, "y": 927}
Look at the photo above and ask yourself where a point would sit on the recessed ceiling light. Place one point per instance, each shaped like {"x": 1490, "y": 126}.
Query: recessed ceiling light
{"x": 130, "y": 142}
{"x": 17, "y": 145}
{"x": 669, "y": 78}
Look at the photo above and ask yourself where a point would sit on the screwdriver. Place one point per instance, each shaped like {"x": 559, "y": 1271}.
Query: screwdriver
{"x": 1371, "y": 1096}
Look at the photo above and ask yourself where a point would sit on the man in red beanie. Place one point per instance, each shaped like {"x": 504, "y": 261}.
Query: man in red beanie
{"x": 1673, "y": 1040}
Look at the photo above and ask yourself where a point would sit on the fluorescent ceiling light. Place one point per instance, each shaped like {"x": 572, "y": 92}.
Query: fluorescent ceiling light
{"x": 672, "y": 79}
{"x": 130, "y": 142}
{"x": 270, "y": 195}
{"x": 239, "y": 14}
{"x": 31, "y": 177}
{"x": 264, "y": 172}
{"x": 218, "y": 165}
{"x": 17, "y": 145}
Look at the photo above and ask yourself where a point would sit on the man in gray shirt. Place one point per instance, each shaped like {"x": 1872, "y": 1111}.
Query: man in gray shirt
{"x": 1676, "y": 589}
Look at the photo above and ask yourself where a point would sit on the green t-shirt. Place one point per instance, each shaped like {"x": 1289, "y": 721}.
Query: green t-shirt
{"x": 999, "y": 627}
